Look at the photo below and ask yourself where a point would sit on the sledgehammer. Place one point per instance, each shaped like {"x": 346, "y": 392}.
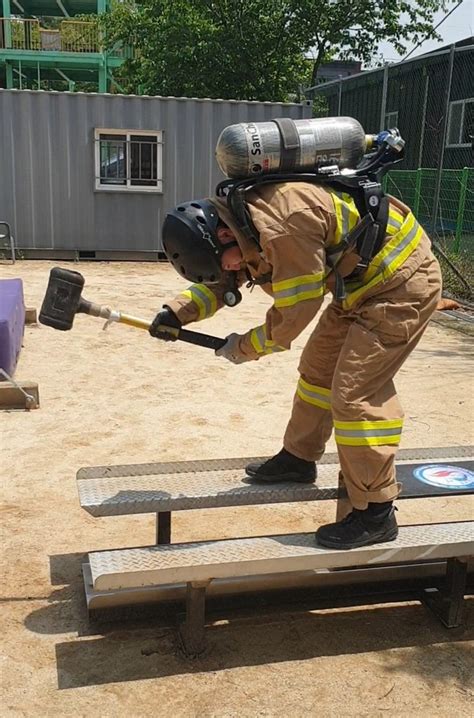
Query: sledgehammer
{"x": 63, "y": 301}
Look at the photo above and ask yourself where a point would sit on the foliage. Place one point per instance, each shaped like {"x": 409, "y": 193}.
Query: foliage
{"x": 354, "y": 28}
{"x": 210, "y": 49}
{"x": 254, "y": 49}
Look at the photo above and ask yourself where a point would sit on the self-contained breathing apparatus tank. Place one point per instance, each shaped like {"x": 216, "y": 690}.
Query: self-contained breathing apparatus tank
{"x": 333, "y": 152}
{"x": 249, "y": 149}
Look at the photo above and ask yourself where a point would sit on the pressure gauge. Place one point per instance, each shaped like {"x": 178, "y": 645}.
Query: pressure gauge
{"x": 232, "y": 297}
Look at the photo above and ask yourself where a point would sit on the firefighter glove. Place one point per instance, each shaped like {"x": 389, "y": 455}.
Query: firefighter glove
{"x": 164, "y": 318}
{"x": 231, "y": 350}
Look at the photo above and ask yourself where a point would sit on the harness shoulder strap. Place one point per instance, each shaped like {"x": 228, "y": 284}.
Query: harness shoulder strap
{"x": 377, "y": 206}
{"x": 367, "y": 236}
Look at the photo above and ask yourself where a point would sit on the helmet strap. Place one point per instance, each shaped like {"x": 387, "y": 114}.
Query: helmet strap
{"x": 228, "y": 245}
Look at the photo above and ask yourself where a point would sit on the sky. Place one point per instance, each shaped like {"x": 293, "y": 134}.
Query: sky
{"x": 459, "y": 25}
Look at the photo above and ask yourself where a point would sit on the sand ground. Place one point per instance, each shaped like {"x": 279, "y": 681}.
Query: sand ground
{"x": 120, "y": 397}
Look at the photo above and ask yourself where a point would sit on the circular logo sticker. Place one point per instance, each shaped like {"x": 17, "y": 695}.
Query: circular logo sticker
{"x": 444, "y": 476}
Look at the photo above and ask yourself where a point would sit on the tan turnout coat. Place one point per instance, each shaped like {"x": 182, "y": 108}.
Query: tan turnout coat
{"x": 348, "y": 364}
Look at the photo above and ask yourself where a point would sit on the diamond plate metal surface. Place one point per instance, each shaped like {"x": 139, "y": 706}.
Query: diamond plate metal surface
{"x": 202, "y": 561}
{"x": 215, "y": 486}
{"x": 197, "y": 490}
{"x": 176, "y": 467}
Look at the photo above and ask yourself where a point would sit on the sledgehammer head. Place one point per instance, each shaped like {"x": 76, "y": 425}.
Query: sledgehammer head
{"x": 62, "y": 300}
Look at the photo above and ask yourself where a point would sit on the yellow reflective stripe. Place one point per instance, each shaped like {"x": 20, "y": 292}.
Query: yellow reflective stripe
{"x": 367, "y": 441}
{"x": 203, "y": 297}
{"x": 368, "y": 433}
{"x": 347, "y": 215}
{"x": 392, "y": 256}
{"x": 358, "y": 425}
{"x": 314, "y": 387}
{"x": 257, "y": 339}
{"x": 312, "y": 394}
{"x": 395, "y": 221}
{"x": 298, "y": 289}
{"x": 378, "y": 262}
{"x": 261, "y": 344}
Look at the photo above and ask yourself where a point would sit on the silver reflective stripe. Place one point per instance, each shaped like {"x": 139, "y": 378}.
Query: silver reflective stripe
{"x": 345, "y": 214}
{"x": 395, "y": 223}
{"x": 204, "y": 299}
{"x": 396, "y": 251}
{"x": 298, "y": 289}
{"x": 323, "y": 398}
{"x": 368, "y": 432}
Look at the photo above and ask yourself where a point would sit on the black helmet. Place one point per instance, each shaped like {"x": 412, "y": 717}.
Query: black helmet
{"x": 190, "y": 241}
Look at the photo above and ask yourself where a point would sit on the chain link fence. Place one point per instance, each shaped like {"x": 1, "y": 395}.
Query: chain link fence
{"x": 431, "y": 100}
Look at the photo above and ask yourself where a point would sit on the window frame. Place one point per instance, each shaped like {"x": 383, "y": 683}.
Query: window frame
{"x": 461, "y": 125}
{"x": 128, "y": 187}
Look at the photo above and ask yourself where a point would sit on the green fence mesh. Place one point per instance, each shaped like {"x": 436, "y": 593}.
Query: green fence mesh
{"x": 455, "y": 216}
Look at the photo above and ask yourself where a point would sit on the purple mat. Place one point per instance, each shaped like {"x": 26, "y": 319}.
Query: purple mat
{"x": 12, "y": 323}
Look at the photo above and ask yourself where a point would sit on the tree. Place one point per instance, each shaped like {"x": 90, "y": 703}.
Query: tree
{"x": 354, "y": 28}
{"x": 200, "y": 48}
{"x": 254, "y": 49}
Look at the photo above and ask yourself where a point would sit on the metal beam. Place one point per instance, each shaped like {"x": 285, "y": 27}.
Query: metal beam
{"x": 163, "y": 527}
{"x": 93, "y": 60}
{"x": 62, "y": 8}
{"x": 192, "y": 631}
{"x": 383, "y": 104}
{"x": 443, "y": 136}
{"x": 20, "y": 7}
{"x": 61, "y": 74}
{"x": 114, "y": 81}
{"x": 21, "y": 75}
{"x": 9, "y": 71}
{"x": 70, "y": 82}
{"x": 7, "y": 29}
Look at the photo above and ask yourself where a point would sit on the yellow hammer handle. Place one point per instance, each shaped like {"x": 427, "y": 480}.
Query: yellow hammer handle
{"x": 134, "y": 321}
{"x": 143, "y": 323}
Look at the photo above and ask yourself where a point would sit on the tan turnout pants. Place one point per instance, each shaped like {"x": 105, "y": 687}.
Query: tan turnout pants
{"x": 346, "y": 380}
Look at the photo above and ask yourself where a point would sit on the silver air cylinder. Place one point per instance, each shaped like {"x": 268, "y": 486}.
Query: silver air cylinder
{"x": 255, "y": 148}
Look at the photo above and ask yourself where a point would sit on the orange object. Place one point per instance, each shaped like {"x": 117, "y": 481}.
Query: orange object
{"x": 444, "y": 304}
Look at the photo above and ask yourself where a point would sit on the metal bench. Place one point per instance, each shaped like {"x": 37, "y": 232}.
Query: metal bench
{"x": 161, "y": 488}
{"x": 131, "y": 575}
{"x": 197, "y": 564}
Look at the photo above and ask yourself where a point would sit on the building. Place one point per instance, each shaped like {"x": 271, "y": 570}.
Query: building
{"x": 91, "y": 176}
{"x": 329, "y": 71}
{"x": 430, "y": 98}
{"x": 52, "y": 44}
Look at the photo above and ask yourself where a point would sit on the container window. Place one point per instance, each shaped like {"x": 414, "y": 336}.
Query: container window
{"x": 128, "y": 160}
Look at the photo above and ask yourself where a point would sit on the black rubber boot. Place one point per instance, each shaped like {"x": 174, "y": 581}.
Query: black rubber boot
{"x": 360, "y": 528}
{"x": 282, "y": 467}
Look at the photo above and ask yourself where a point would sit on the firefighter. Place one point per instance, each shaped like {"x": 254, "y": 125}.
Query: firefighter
{"x": 360, "y": 342}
